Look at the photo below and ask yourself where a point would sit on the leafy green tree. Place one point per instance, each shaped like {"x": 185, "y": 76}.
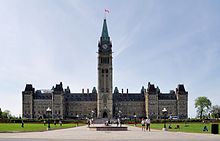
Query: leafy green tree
{"x": 0, "y": 113}
{"x": 203, "y": 104}
{"x": 215, "y": 111}
{"x": 6, "y": 114}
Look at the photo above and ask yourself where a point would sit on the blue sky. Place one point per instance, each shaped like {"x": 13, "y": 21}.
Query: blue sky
{"x": 165, "y": 42}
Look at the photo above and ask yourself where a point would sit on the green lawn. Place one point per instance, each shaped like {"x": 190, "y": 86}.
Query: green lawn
{"x": 30, "y": 127}
{"x": 189, "y": 127}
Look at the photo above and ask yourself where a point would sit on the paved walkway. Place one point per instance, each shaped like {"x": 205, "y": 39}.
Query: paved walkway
{"x": 83, "y": 133}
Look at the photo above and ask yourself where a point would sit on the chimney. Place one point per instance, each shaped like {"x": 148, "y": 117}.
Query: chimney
{"x": 122, "y": 91}
{"x": 127, "y": 91}
{"x": 87, "y": 91}
{"x": 83, "y": 91}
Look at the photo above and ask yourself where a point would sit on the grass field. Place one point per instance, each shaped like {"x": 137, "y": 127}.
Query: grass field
{"x": 189, "y": 127}
{"x": 30, "y": 127}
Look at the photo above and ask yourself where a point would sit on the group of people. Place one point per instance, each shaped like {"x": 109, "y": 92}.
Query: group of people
{"x": 145, "y": 123}
{"x": 118, "y": 122}
{"x": 55, "y": 122}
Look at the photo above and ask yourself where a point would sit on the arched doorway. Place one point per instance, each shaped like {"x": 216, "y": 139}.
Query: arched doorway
{"x": 105, "y": 115}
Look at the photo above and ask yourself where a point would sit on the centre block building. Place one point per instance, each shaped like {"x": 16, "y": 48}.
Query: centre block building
{"x": 103, "y": 102}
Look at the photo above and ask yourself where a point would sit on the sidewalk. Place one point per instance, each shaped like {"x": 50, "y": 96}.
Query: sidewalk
{"x": 133, "y": 133}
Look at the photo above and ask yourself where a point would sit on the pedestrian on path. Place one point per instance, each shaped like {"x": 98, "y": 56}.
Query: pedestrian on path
{"x": 143, "y": 124}
{"x": 44, "y": 122}
{"x": 60, "y": 122}
{"x": 22, "y": 124}
{"x": 88, "y": 122}
{"x": 119, "y": 122}
{"x": 148, "y": 124}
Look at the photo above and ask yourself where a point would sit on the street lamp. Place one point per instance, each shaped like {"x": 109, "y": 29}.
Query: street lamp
{"x": 164, "y": 111}
{"x": 119, "y": 114}
{"x": 92, "y": 113}
{"x": 119, "y": 118}
{"x": 77, "y": 118}
{"x": 48, "y": 111}
{"x": 135, "y": 116}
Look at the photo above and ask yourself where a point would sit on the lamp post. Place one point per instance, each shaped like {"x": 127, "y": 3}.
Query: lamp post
{"x": 92, "y": 113}
{"x": 119, "y": 114}
{"x": 48, "y": 111}
{"x": 135, "y": 117}
{"x": 119, "y": 118}
{"x": 77, "y": 118}
{"x": 164, "y": 111}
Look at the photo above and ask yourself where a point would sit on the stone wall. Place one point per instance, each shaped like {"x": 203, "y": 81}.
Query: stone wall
{"x": 40, "y": 107}
{"x": 27, "y": 105}
{"x": 182, "y": 105}
{"x": 148, "y": 103}
{"x": 57, "y": 105}
{"x": 80, "y": 108}
{"x": 152, "y": 106}
{"x": 170, "y": 105}
{"x": 129, "y": 108}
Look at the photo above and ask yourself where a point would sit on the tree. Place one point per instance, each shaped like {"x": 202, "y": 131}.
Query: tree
{"x": 0, "y": 113}
{"x": 203, "y": 104}
{"x": 215, "y": 111}
{"x": 6, "y": 114}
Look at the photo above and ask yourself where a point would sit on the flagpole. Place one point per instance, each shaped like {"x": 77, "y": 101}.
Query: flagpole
{"x": 106, "y": 11}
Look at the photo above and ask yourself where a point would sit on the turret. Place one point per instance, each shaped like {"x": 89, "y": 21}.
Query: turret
{"x": 182, "y": 101}
{"x": 151, "y": 101}
{"x": 58, "y": 102}
{"x": 94, "y": 90}
{"x": 27, "y": 101}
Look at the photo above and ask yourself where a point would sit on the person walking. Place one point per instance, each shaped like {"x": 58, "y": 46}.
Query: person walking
{"x": 88, "y": 123}
{"x": 44, "y": 122}
{"x": 60, "y": 122}
{"x": 148, "y": 124}
{"x": 143, "y": 124}
{"x": 119, "y": 122}
{"x": 22, "y": 124}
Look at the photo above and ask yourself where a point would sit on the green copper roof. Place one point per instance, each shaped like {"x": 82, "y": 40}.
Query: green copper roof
{"x": 105, "y": 31}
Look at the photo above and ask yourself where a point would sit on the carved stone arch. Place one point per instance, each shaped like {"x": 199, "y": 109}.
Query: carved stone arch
{"x": 105, "y": 113}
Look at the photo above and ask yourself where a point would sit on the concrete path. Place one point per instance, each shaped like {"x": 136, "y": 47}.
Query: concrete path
{"x": 83, "y": 133}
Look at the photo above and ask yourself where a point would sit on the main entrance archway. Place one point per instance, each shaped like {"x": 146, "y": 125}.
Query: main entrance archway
{"x": 105, "y": 115}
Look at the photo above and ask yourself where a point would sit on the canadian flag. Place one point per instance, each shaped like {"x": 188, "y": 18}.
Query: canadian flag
{"x": 106, "y": 10}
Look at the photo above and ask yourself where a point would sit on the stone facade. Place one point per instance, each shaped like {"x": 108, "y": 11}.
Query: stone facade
{"x": 104, "y": 102}
{"x": 176, "y": 102}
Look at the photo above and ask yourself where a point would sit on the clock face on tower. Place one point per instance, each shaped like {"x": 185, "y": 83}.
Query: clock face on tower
{"x": 105, "y": 46}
